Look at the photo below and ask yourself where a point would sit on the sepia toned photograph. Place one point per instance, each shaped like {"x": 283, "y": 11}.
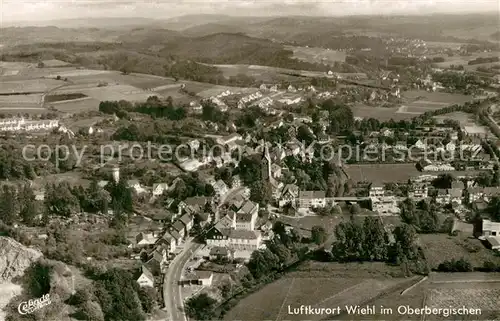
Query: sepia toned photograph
{"x": 249, "y": 160}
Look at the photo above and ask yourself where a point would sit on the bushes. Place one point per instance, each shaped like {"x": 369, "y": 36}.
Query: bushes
{"x": 461, "y": 265}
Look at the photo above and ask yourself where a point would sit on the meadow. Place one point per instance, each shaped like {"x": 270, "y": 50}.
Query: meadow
{"x": 442, "y": 247}
{"x": 380, "y": 113}
{"x": 29, "y": 86}
{"x": 381, "y": 173}
{"x": 77, "y": 105}
{"x": 272, "y": 301}
{"x": 464, "y": 60}
{"x": 317, "y": 55}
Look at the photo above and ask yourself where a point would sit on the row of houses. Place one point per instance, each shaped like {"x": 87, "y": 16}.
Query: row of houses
{"x": 458, "y": 193}
{"x": 28, "y": 125}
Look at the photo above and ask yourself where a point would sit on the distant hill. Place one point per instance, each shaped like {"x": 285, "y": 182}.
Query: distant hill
{"x": 222, "y": 47}
{"x": 28, "y": 35}
{"x": 100, "y": 23}
{"x": 190, "y": 21}
{"x": 150, "y": 36}
{"x": 213, "y": 28}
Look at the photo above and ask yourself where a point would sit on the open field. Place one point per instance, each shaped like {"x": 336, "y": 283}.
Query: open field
{"x": 63, "y": 97}
{"x": 321, "y": 285}
{"x": 380, "y": 113}
{"x": 317, "y": 55}
{"x": 55, "y": 63}
{"x": 445, "y": 290}
{"x": 463, "y": 118}
{"x": 20, "y": 99}
{"x": 436, "y": 97}
{"x": 110, "y": 92}
{"x": 442, "y": 247}
{"x": 271, "y": 303}
{"x": 305, "y": 224}
{"x": 79, "y": 73}
{"x": 384, "y": 173}
{"x": 14, "y": 110}
{"x": 76, "y": 106}
{"x": 464, "y": 60}
{"x": 13, "y": 68}
{"x": 416, "y": 102}
{"x": 29, "y": 86}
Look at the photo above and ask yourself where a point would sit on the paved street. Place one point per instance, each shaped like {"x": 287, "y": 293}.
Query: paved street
{"x": 172, "y": 297}
{"x": 171, "y": 289}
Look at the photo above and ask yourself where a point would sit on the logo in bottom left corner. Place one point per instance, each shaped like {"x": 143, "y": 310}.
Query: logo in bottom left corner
{"x": 31, "y": 306}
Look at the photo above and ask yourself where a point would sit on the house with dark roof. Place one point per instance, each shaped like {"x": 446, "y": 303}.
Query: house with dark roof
{"x": 218, "y": 252}
{"x": 168, "y": 242}
{"x": 179, "y": 227}
{"x": 249, "y": 208}
{"x": 193, "y": 205}
{"x": 288, "y": 195}
{"x": 188, "y": 222}
{"x": 157, "y": 261}
{"x": 218, "y": 235}
{"x": 450, "y": 195}
{"x": 245, "y": 221}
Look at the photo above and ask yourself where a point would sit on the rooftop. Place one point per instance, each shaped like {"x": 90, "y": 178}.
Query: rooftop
{"x": 243, "y": 234}
{"x": 312, "y": 194}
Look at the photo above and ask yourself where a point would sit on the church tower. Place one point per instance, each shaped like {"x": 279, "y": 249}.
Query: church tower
{"x": 266, "y": 164}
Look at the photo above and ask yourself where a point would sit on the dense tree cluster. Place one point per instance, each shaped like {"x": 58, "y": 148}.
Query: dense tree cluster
{"x": 356, "y": 241}
{"x": 17, "y": 204}
{"x": 458, "y": 81}
{"x": 191, "y": 185}
{"x": 422, "y": 216}
{"x": 483, "y": 60}
{"x": 282, "y": 250}
{"x": 118, "y": 295}
{"x": 201, "y": 307}
{"x": 153, "y": 106}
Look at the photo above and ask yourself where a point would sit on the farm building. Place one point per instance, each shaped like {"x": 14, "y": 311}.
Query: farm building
{"x": 203, "y": 278}
{"x": 493, "y": 242}
{"x": 486, "y": 228}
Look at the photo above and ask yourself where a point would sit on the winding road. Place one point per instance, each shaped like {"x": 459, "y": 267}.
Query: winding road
{"x": 174, "y": 304}
{"x": 171, "y": 288}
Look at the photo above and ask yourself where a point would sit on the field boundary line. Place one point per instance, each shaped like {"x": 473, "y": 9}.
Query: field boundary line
{"x": 465, "y": 281}
{"x": 285, "y": 299}
{"x": 342, "y": 292}
{"x": 414, "y": 285}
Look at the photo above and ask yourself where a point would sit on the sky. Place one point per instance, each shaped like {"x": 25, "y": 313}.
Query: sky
{"x": 32, "y": 10}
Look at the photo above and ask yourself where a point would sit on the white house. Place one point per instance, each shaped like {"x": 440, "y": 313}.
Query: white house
{"x": 244, "y": 240}
{"x": 159, "y": 188}
{"x": 308, "y": 199}
{"x": 474, "y": 194}
{"x": 145, "y": 239}
{"x": 146, "y": 278}
{"x": 136, "y": 186}
{"x": 220, "y": 187}
{"x": 376, "y": 191}
{"x": 418, "y": 191}
{"x": 487, "y": 228}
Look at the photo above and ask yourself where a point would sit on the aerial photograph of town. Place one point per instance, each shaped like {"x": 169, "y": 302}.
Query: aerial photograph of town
{"x": 178, "y": 160}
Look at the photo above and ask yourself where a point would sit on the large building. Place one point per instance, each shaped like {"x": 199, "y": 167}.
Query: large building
{"x": 309, "y": 199}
